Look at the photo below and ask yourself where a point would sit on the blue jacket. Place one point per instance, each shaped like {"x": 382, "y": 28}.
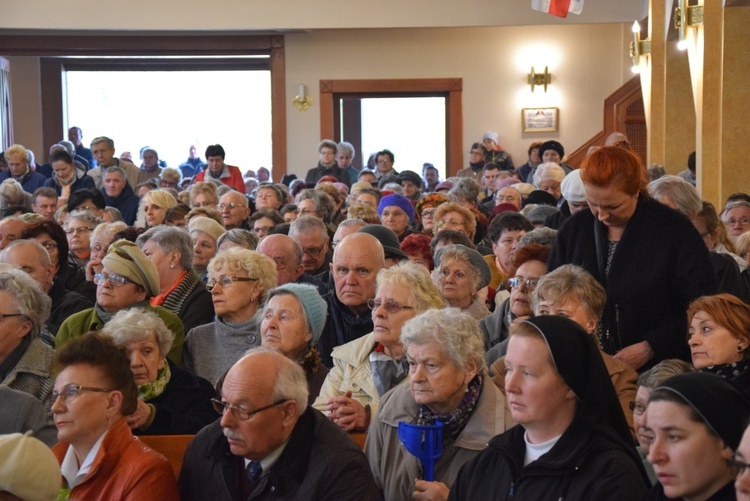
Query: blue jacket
{"x": 126, "y": 203}
{"x": 30, "y": 182}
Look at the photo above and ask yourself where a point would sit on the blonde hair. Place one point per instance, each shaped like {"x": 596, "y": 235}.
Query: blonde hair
{"x": 416, "y": 278}
{"x": 256, "y": 265}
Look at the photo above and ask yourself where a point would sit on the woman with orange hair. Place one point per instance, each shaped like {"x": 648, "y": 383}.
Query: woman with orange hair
{"x": 649, "y": 258}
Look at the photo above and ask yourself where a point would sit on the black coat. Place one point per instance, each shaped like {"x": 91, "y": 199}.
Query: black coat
{"x": 320, "y": 462}
{"x": 64, "y": 304}
{"x": 126, "y": 203}
{"x": 184, "y": 407}
{"x": 660, "y": 265}
{"x": 582, "y": 465}
{"x": 341, "y": 327}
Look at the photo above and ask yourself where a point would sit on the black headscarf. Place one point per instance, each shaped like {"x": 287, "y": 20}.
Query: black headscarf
{"x": 723, "y": 407}
{"x": 577, "y": 359}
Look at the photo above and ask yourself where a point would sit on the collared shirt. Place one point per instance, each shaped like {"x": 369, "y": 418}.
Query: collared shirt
{"x": 267, "y": 462}
{"x": 69, "y": 467}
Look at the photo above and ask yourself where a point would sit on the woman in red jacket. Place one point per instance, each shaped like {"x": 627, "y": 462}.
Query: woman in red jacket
{"x": 99, "y": 457}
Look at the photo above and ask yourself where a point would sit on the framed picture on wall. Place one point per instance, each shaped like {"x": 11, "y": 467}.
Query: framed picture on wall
{"x": 539, "y": 119}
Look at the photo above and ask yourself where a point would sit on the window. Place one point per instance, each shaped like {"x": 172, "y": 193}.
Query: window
{"x": 171, "y": 110}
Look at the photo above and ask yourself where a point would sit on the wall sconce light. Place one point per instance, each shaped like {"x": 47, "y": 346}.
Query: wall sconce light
{"x": 686, "y": 16}
{"x": 302, "y": 101}
{"x": 535, "y": 79}
{"x": 638, "y": 48}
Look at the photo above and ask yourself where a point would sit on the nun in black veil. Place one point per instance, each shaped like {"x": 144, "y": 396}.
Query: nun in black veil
{"x": 572, "y": 440}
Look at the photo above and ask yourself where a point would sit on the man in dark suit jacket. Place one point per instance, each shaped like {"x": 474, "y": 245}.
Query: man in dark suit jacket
{"x": 270, "y": 444}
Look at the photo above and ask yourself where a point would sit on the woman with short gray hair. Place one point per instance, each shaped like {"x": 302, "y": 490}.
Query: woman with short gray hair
{"x": 78, "y": 227}
{"x": 447, "y": 384}
{"x": 238, "y": 237}
{"x": 320, "y": 205}
{"x": 25, "y": 360}
{"x": 171, "y": 401}
{"x": 460, "y": 272}
{"x": 181, "y": 291}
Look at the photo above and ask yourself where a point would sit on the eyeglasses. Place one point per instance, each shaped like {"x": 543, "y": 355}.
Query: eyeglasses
{"x": 226, "y": 281}
{"x": 737, "y": 467}
{"x": 305, "y": 212}
{"x": 114, "y": 279}
{"x": 450, "y": 224}
{"x": 230, "y": 206}
{"x": 263, "y": 229}
{"x": 313, "y": 251}
{"x": 239, "y": 413}
{"x": 744, "y": 221}
{"x": 86, "y": 207}
{"x": 390, "y": 306}
{"x": 428, "y": 213}
{"x": 82, "y": 229}
{"x": 72, "y": 391}
{"x": 516, "y": 282}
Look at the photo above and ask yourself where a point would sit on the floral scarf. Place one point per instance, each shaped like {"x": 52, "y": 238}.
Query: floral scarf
{"x": 453, "y": 422}
{"x": 156, "y": 387}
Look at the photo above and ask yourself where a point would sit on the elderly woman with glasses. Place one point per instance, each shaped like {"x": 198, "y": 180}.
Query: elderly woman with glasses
{"x": 366, "y": 368}
{"x": 99, "y": 458}
{"x": 293, "y": 320}
{"x": 238, "y": 280}
{"x": 128, "y": 280}
{"x": 426, "y": 209}
{"x": 181, "y": 291}
{"x": 531, "y": 263}
{"x": 447, "y": 385}
{"x": 78, "y": 227}
{"x": 171, "y": 401}
{"x": 25, "y": 360}
{"x": 460, "y": 272}
{"x": 452, "y": 216}
{"x": 203, "y": 194}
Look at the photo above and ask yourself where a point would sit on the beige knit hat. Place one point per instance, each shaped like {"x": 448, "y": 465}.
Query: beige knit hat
{"x": 28, "y": 469}
{"x": 126, "y": 259}
{"x": 207, "y": 226}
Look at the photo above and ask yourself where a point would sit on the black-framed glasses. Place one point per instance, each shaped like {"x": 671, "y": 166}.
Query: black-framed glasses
{"x": 114, "y": 279}
{"x": 390, "y": 306}
{"x": 737, "y": 467}
{"x": 72, "y": 391}
{"x": 516, "y": 282}
{"x": 50, "y": 246}
{"x": 226, "y": 281}
{"x": 239, "y": 413}
{"x": 313, "y": 251}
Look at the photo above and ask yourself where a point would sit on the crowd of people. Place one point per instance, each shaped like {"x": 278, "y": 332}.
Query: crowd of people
{"x": 566, "y": 333}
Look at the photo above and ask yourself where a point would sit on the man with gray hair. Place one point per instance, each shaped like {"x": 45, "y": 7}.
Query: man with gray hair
{"x": 31, "y": 257}
{"x": 287, "y": 254}
{"x": 356, "y": 262}
{"x": 312, "y": 235}
{"x": 103, "y": 149}
{"x": 269, "y": 443}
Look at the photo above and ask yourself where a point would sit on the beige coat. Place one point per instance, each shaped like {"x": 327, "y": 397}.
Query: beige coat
{"x": 395, "y": 469}
{"x": 351, "y": 372}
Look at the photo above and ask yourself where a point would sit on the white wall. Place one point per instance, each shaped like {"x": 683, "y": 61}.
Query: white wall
{"x": 586, "y": 62}
{"x": 169, "y": 15}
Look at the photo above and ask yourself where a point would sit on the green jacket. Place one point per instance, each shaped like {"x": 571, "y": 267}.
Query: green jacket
{"x": 87, "y": 320}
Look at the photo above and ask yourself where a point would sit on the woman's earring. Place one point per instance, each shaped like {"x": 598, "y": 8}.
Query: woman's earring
{"x": 740, "y": 348}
